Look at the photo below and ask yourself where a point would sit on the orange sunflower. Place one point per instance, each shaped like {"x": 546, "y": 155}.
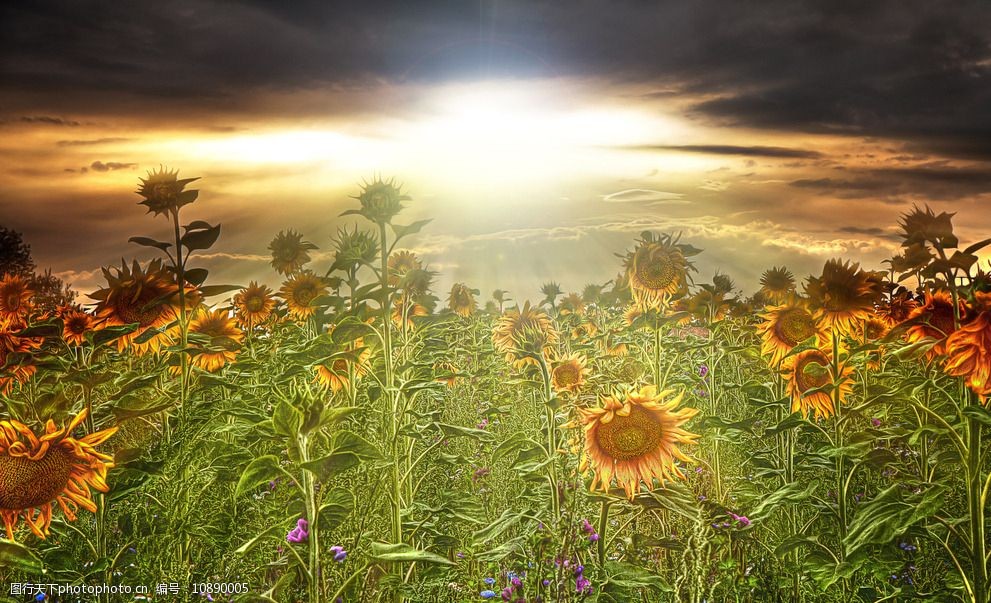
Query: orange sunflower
{"x": 841, "y": 295}
{"x": 15, "y": 298}
{"x": 300, "y": 291}
{"x": 36, "y": 471}
{"x": 568, "y": 374}
{"x": 401, "y": 263}
{"x": 572, "y": 304}
{"x": 897, "y": 308}
{"x": 777, "y": 284}
{"x": 461, "y": 301}
{"x": 933, "y": 319}
{"x": 404, "y": 310}
{"x": 148, "y": 297}
{"x": 75, "y": 324}
{"x": 290, "y": 252}
{"x": 785, "y": 326}
{"x": 656, "y": 271}
{"x": 446, "y": 373}
{"x": 336, "y": 372}
{"x": 968, "y": 349}
{"x": 634, "y": 436}
{"x": 520, "y": 333}
{"x": 216, "y": 338}
{"x": 19, "y": 368}
{"x": 812, "y": 370}
{"x": 253, "y": 305}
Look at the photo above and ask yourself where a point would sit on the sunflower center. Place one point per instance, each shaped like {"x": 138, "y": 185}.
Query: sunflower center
{"x": 304, "y": 294}
{"x": 566, "y": 374}
{"x": 656, "y": 270}
{"x": 795, "y": 326}
{"x": 630, "y": 437}
{"x": 26, "y": 484}
{"x": 254, "y": 304}
{"x": 13, "y": 302}
{"x": 140, "y": 309}
{"x": 813, "y": 373}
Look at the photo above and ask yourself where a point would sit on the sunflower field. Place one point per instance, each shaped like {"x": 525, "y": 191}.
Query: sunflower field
{"x": 356, "y": 436}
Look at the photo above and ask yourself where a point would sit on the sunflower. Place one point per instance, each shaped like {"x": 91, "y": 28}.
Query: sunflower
{"x": 220, "y": 336}
{"x": 841, "y": 295}
{"x": 36, "y": 471}
{"x": 897, "y": 307}
{"x": 300, "y": 291}
{"x": 785, "y": 326}
{"x": 336, "y": 372}
{"x": 656, "y": 271}
{"x": 572, "y": 303}
{"x": 75, "y": 324}
{"x": 777, "y": 284}
{"x": 148, "y": 297}
{"x": 354, "y": 249}
{"x": 253, "y": 305}
{"x": 968, "y": 349}
{"x": 462, "y": 300}
{"x": 402, "y": 263}
{"x": 164, "y": 192}
{"x": 521, "y": 334}
{"x": 15, "y": 298}
{"x": 812, "y": 370}
{"x": 446, "y": 373}
{"x": 612, "y": 344}
{"x": 568, "y": 374}
{"x": 290, "y": 252}
{"x": 19, "y": 368}
{"x": 933, "y": 319}
{"x": 380, "y": 201}
{"x": 585, "y": 330}
{"x": 404, "y": 310}
{"x": 634, "y": 437}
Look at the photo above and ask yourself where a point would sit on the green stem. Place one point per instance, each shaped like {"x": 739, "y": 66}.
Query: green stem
{"x": 600, "y": 545}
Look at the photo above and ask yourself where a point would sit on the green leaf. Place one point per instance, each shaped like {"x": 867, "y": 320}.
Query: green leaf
{"x": 108, "y": 334}
{"x": 211, "y": 290}
{"x": 792, "y": 493}
{"x": 337, "y": 505}
{"x": 149, "y": 242}
{"x": 335, "y": 462}
{"x": 402, "y": 231}
{"x": 287, "y": 419}
{"x": 455, "y": 431}
{"x": 202, "y": 237}
{"x": 403, "y": 552}
{"x": 259, "y": 471}
{"x": 196, "y": 276}
{"x": 978, "y": 413}
{"x": 18, "y": 557}
{"x": 244, "y": 548}
{"x": 890, "y": 514}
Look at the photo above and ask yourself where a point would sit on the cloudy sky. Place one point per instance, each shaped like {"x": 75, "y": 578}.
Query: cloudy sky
{"x": 541, "y": 137}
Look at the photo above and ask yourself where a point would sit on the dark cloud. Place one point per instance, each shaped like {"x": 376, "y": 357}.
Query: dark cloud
{"x": 873, "y": 232}
{"x": 99, "y": 166}
{"x": 47, "y": 120}
{"x": 936, "y": 181}
{"x": 745, "y": 151}
{"x": 91, "y": 142}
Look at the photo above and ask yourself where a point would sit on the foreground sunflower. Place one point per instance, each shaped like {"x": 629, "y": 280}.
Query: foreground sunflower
{"x": 290, "y": 252}
{"x": 634, "y": 437}
{"x": 784, "y": 327}
{"x": 36, "y": 471}
{"x": 461, "y": 301}
{"x": 521, "y": 333}
{"x": 808, "y": 374}
{"x": 220, "y": 339}
{"x": 841, "y": 295}
{"x": 148, "y": 297}
{"x": 933, "y": 319}
{"x": 568, "y": 374}
{"x": 777, "y": 284}
{"x": 15, "y": 298}
{"x": 75, "y": 324}
{"x": 968, "y": 349}
{"x": 656, "y": 271}
{"x": 253, "y": 305}
{"x": 300, "y": 291}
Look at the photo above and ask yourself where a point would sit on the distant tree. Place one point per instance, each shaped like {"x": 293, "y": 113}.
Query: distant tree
{"x": 50, "y": 292}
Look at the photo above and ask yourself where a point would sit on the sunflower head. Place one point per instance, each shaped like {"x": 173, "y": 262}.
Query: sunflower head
{"x": 568, "y": 374}
{"x": 55, "y": 467}
{"x": 572, "y": 304}
{"x": 354, "y": 248}
{"x": 777, "y": 284}
{"x": 404, "y": 310}
{"x": 656, "y": 270}
{"x": 785, "y": 326}
{"x": 301, "y": 292}
{"x": 76, "y": 323}
{"x": 933, "y": 319}
{"x": 523, "y": 333}
{"x": 164, "y": 192}
{"x": 253, "y": 305}
{"x": 216, "y": 339}
{"x": 925, "y": 226}
{"x": 461, "y": 301}
{"x": 897, "y": 307}
{"x": 841, "y": 295}
{"x": 15, "y": 298}
{"x": 967, "y": 349}
{"x": 381, "y": 200}
{"x": 446, "y": 373}
{"x": 634, "y": 437}
{"x": 290, "y": 252}
{"x": 402, "y": 263}
{"x": 809, "y": 374}
{"x": 16, "y": 363}
{"x": 340, "y": 371}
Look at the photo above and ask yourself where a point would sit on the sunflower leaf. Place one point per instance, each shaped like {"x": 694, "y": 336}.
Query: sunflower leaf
{"x": 16, "y": 556}
{"x": 382, "y": 551}
{"x": 200, "y": 238}
{"x": 259, "y": 471}
{"x": 150, "y": 242}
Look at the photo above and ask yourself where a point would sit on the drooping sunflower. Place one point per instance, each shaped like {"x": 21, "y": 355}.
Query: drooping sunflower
{"x": 164, "y": 192}
{"x": 148, "y": 297}
{"x": 15, "y": 364}
{"x": 968, "y": 349}
{"x": 777, "y": 284}
{"x": 404, "y": 310}
{"x": 36, "y": 471}
{"x": 300, "y": 291}
{"x": 634, "y": 436}
{"x": 785, "y": 326}
{"x": 933, "y": 319}
{"x": 656, "y": 270}
{"x": 402, "y": 263}
{"x": 585, "y": 330}
{"x": 572, "y": 303}
{"x": 446, "y": 373}
{"x": 75, "y": 324}
{"x": 612, "y": 344}
{"x": 253, "y": 305}
{"x": 15, "y": 298}
{"x": 841, "y": 295}
{"x": 216, "y": 337}
{"x": 568, "y": 374}
{"x": 337, "y": 371}
{"x": 521, "y": 333}
{"x": 461, "y": 301}
{"x": 812, "y": 370}
{"x": 290, "y": 252}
